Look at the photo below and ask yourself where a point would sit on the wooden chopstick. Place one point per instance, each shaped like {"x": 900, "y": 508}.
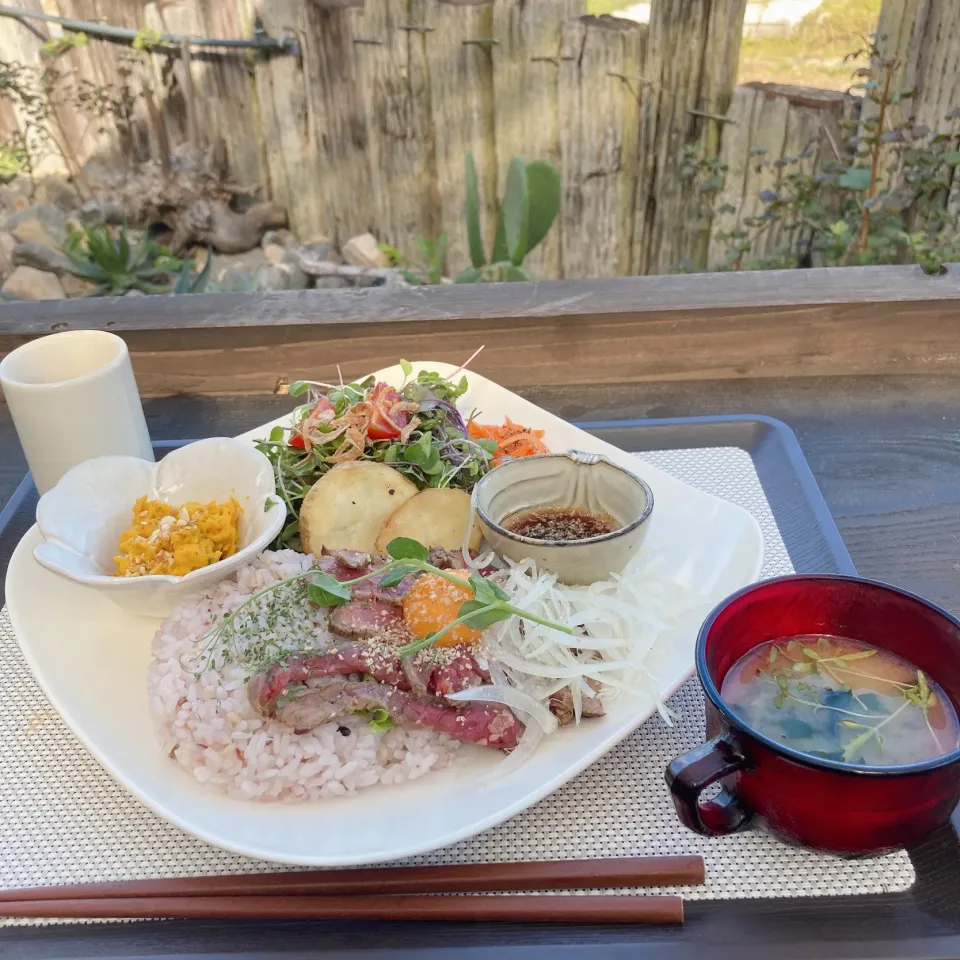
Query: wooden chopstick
{"x": 504, "y": 909}
{"x": 455, "y": 878}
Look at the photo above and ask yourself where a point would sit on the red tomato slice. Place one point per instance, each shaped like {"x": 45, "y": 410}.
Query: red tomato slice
{"x": 382, "y": 425}
{"x": 296, "y": 438}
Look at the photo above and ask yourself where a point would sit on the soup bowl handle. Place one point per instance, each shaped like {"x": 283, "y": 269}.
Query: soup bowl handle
{"x": 688, "y": 776}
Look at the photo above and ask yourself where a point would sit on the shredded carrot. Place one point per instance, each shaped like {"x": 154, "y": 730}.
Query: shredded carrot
{"x": 512, "y": 439}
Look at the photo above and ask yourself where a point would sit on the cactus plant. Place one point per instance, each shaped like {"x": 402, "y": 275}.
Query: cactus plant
{"x": 531, "y": 202}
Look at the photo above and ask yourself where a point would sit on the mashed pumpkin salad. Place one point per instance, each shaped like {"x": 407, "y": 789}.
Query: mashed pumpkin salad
{"x": 164, "y": 539}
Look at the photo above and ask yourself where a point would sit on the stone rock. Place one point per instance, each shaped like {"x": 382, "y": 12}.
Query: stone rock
{"x": 57, "y": 192}
{"x": 135, "y": 293}
{"x": 7, "y": 243}
{"x": 39, "y": 257}
{"x": 14, "y": 196}
{"x": 76, "y": 286}
{"x": 274, "y": 253}
{"x": 101, "y": 176}
{"x": 29, "y": 284}
{"x": 332, "y": 283}
{"x": 292, "y": 265}
{"x": 100, "y": 212}
{"x": 281, "y": 276}
{"x": 43, "y": 223}
{"x": 235, "y": 281}
{"x": 322, "y": 250}
{"x": 364, "y": 251}
{"x": 237, "y": 267}
{"x": 281, "y": 237}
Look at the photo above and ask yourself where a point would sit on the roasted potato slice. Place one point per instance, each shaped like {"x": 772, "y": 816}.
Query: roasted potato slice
{"x": 435, "y": 518}
{"x": 346, "y": 508}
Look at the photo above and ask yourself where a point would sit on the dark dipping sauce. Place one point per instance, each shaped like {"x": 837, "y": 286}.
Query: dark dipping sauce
{"x": 560, "y": 523}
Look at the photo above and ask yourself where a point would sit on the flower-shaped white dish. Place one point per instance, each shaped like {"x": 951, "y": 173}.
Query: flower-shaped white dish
{"x": 82, "y": 517}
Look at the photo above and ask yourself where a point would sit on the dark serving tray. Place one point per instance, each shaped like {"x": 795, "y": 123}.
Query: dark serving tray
{"x": 923, "y": 922}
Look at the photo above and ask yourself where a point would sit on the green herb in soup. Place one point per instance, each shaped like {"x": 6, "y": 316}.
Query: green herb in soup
{"x": 841, "y": 699}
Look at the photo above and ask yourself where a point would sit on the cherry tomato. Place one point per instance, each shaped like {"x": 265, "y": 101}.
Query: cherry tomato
{"x": 296, "y": 438}
{"x": 383, "y": 426}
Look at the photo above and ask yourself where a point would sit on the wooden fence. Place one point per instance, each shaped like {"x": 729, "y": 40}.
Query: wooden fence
{"x": 922, "y": 39}
{"x": 787, "y": 122}
{"x": 369, "y": 128}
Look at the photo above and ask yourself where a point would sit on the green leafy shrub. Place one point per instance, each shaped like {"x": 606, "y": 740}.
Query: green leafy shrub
{"x": 888, "y": 201}
{"x": 433, "y": 257}
{"x": 12, "y": 160}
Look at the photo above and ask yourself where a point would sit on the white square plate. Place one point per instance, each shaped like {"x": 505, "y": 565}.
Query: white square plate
{"x": 91, "y": 658}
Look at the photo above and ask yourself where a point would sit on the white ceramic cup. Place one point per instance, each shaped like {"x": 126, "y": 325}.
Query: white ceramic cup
{"x": 73, "y": 397}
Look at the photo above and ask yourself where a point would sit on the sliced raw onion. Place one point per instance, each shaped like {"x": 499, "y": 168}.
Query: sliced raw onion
{"x": 521, "y": 753}
{"x": 513, "y": 698}
{"x": 497, "y": 674}
{"x": 559, "y": 672}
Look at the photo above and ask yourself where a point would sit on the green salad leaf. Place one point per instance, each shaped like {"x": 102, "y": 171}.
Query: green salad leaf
{"x": 325, "y": 591}
{"x": 405, "y": 548}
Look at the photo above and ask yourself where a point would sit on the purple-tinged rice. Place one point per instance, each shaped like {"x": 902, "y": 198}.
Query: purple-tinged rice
{"x": 208, "y": 726}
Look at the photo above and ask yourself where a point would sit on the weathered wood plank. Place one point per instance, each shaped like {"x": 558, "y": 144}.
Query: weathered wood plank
{"x": 810, "y": 323}
{"x": 21, "y": 46}
{"x": 717, "y": 295}
{"x": 224, "y": 98}
{"x": 526, "y": 65}
{"x": 758, "y": 343}
{"x": 923, "y": 39}
{"x": 782, "y": 121}
{"x": 692, "y": 48}
{"x": 338, "y": 121}
{"x": 17, "y": 44}
{"x": 291, "y": 153}
{"x": 140, "y": 93}
{"x": 600, "y": 95}
{"x": 396, "y": 98}
{"x": 462, "y": 98}
{"x": 79, "y": 134}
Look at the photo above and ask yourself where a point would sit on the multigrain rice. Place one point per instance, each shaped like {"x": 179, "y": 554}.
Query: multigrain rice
{"x": 208, "y": 726}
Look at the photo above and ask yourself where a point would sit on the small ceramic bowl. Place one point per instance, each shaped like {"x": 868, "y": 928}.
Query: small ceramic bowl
{"x": 82, "y": 517}
{"x": 566, "y": 479}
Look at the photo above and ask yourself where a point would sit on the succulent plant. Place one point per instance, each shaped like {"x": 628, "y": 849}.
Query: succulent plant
{"x": 531, "y": 202}
{"x": 188, "y": 282}
{"x": 110, "y": 261}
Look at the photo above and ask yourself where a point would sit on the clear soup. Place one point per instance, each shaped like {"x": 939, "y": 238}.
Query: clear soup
{"x": 842, "y": 699}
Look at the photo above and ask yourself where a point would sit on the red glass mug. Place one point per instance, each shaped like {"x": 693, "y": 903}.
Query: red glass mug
{"x": 839, "y": 807}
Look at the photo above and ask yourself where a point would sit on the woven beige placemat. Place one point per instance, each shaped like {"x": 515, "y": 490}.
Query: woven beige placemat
{"x": 63, "y": 819}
